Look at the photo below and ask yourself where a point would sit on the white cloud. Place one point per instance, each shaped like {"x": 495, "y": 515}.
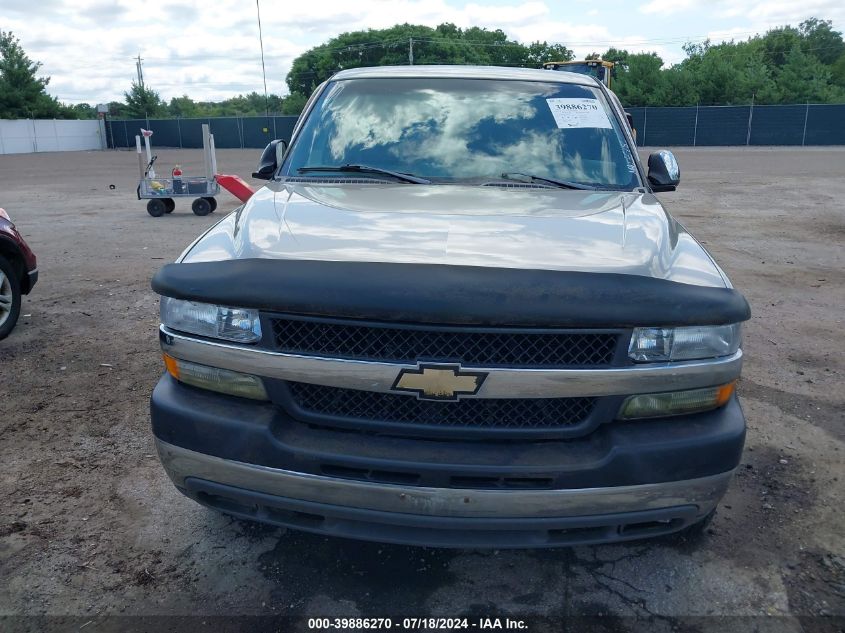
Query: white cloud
{"x": 738, "y": 33}
{"x": 571, "y": 33}
{"x": 770, "y": 13}
{"x": 666, "y": 7}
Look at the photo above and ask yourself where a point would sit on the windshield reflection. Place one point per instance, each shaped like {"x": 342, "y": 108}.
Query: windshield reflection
{"x": 462, "y": 130}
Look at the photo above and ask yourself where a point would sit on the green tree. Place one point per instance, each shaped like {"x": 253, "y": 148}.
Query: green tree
{"x": 182, "y": 106}
{"x": 676, "y": 88}
{"x": 293, "y": 103}
{"x": 617, "y": 56}
{"x": 640, "y": 83}
{"x": 711, "y": 72}
{"x": 445, "y": 44}
{"x": 81, "y": 111}
{"x": 143, "y": 102}
{"x": 728, "y": 73}
{"x": 837, "y": 71}
{"x": 537, "y": 53}
{"x": 22, "y": 93}
{"x": 777, "y": 44}
{"x": 117, "y": 109}
{"x": 802, "y": 79}
{"x": 820, "y": 40}
{"x": 368, "y": 48}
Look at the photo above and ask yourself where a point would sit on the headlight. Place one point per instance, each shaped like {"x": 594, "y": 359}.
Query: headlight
{"x": 650, "y": 344}
{"x": 232, "y": 324}
{"x": 660, "y": 405}
{"x": 225, "y": 381}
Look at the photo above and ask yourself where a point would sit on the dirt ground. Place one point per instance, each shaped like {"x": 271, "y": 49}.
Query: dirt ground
{"x": 90, "y": 526}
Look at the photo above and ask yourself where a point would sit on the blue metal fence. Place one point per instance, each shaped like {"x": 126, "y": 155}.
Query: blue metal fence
{"x": 809, "y": 124}
{"x": 229, "y": 132}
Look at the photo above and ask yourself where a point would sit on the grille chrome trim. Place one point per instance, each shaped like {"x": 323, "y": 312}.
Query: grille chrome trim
{"x": 501, "y": 382}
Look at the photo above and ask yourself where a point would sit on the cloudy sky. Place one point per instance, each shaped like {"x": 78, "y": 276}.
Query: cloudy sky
{"x": 208, "y": 49}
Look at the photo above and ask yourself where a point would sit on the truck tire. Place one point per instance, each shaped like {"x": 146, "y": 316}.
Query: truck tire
{"x": 201, "y": 206}
{"x": 156, "y": 207}
{"x": 169, "y": 204}
{"x": 10, "y": 297}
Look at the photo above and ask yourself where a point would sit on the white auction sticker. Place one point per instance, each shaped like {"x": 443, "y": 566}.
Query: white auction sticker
{"x": 579, "y": 112}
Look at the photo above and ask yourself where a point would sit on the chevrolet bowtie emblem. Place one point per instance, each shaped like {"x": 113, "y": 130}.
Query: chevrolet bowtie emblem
{"x": 439, "y": 382}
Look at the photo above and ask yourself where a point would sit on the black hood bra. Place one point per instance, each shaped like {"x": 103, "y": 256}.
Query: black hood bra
{"x": 447, "y": 294}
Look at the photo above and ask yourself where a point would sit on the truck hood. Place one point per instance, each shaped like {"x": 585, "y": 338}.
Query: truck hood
{"x": 501, "y": 227}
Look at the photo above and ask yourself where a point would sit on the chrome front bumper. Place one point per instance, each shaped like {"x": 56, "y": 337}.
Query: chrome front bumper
{"x": 435, "y": 516}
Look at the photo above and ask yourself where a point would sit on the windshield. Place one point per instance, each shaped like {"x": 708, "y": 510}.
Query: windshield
{"x": 465, "y": 130}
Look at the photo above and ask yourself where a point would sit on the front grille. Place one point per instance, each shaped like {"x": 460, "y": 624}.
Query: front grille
{"x": 478, "y": 346}
{"x": 333, "y": 404}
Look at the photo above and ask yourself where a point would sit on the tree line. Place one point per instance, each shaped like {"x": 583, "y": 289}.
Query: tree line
{"x": 785, "y": 65}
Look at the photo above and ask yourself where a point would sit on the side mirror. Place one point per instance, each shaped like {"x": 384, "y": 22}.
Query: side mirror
{"x": 663, "y": 171}
{"x": 270, "y": 160}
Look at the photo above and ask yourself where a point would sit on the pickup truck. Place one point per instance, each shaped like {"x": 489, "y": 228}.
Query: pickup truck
{"x": 457, "y": 316}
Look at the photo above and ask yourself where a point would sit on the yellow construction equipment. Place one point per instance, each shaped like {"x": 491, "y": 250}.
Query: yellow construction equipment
{"x": 598, "y": 68}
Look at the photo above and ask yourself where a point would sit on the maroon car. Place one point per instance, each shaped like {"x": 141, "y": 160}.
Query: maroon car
{"x": 18, "y": 273}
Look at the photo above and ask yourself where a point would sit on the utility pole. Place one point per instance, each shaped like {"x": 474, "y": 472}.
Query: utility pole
{"x": 140, "y": 70}
{"x": 263, "y": 70}
{"x": 411, "y": 51}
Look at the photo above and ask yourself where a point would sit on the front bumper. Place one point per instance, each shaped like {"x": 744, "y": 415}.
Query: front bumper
{"x": 623, "y": 481}
{"x": 440, "y": 517}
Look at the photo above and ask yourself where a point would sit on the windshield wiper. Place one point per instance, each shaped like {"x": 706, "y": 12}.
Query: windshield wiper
{"x": 563, "y": 184}
{"x": 366, "y": 169}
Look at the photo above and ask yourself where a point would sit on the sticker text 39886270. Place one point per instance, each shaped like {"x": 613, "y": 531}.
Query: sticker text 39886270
{"x": 578, "y": 112}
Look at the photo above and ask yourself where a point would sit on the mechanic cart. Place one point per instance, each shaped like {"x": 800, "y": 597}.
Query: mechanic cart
{"x": 161, "y": 191}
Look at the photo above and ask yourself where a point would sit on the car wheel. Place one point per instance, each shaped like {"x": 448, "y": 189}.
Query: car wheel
{"x": 169, "y": 204}
{"x": 156, "y": 207}
{"x": 213, "y": 203}
{"x": 10, "y": 298}
{"x": 201, "y": 206}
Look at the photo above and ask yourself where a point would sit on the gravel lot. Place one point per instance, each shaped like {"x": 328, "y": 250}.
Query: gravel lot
{"x": 91, "y": 526}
